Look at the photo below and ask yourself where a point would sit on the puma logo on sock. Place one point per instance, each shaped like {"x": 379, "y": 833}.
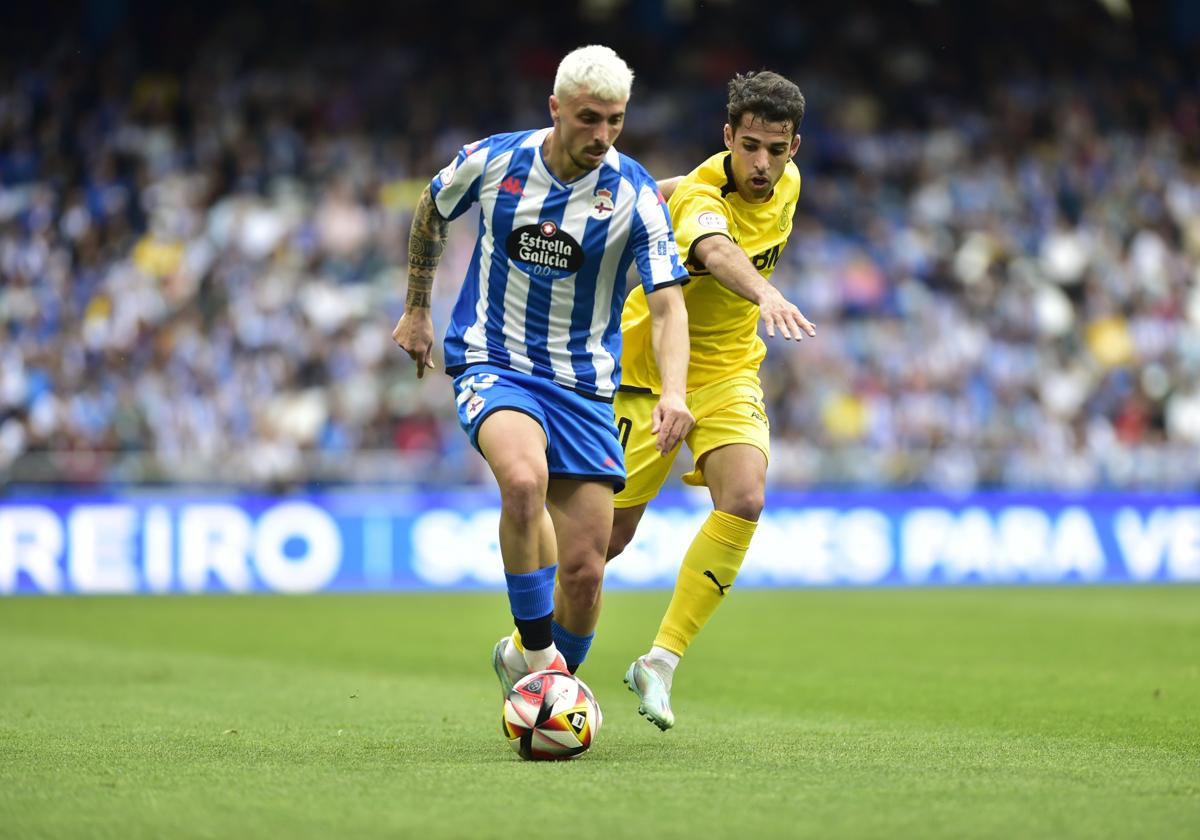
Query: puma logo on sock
{"x": 721, "y": 588}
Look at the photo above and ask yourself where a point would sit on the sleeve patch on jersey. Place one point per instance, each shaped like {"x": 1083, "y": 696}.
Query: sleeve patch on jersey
{"x": 712, "y": 221}
{"x": 446, "y": 176}
{"x": 662, "y": 248}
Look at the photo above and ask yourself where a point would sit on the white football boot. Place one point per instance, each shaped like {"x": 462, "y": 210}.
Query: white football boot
{"x": 507, "y": 675}
{"x": 651, "y": 682}
{"x": 510, "y": 676}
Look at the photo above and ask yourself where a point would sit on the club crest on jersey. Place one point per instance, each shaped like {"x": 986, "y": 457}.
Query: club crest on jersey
{"x": 474, "y": 406}
{"x": 785, "y": 218}
{"x": 603, "y": 206}
{"x": 544, "y": 250}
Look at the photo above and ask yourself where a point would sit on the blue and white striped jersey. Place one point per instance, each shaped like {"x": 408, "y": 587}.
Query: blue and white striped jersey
{"x": 546, "y": 284}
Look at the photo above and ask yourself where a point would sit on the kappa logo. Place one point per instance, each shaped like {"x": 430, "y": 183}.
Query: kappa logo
{"x": 512, "y": 186}
{"x": 603, "y": 206}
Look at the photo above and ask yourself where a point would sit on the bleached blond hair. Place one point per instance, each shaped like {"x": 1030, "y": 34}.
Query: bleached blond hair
{"x": 595, "y": 70}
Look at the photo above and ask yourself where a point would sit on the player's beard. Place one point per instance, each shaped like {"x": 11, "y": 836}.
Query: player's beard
{"x": 586, "y": 163}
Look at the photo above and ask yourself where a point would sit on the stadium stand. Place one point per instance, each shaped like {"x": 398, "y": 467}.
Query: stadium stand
{"x": 203, "y": 219}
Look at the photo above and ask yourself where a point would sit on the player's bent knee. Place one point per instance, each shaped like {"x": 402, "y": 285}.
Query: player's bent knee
{"x": 625, "y": 525}
{"x": 581, "y": 584}
{"x": 617, "y": 543}
{"x": 523, "y": 495}
{"x": 746, "y": 505}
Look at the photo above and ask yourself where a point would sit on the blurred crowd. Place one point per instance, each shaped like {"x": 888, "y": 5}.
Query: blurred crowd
{"x": 202, "y": 250}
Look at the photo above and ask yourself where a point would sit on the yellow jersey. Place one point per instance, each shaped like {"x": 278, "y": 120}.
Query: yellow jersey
{"x": 723, "y": 325}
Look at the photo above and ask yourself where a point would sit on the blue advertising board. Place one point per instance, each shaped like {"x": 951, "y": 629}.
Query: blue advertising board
{"x": 404, "y": 541}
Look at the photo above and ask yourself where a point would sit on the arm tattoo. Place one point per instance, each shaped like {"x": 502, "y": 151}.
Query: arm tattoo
{"x": 426, "y": 241}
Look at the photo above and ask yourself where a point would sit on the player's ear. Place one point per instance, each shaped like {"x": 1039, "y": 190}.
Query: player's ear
{"x": 795, "y": 146}
{"x": 728, "y": 136}
{"x": 554, "y": 108}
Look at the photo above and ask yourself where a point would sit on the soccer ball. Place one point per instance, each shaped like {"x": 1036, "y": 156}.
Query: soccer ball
{"x": 550, "y": 716}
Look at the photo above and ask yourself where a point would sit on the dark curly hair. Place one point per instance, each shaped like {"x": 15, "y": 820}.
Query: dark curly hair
{"x": 766, "y": 95}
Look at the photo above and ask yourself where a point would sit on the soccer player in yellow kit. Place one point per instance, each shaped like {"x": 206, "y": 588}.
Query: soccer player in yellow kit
{"x": 732, "y": 216}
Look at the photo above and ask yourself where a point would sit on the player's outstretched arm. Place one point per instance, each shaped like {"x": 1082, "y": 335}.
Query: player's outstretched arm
{"x": 732, "y": 269}
{"x": 671, "y": 421}
{"x": 426, "y": 242}
{"x": 667, "y": 186}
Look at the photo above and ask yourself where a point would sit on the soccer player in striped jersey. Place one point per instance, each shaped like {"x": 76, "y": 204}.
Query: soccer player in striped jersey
{"x": 732, "y": 217}
{"x": 534, "y": 340}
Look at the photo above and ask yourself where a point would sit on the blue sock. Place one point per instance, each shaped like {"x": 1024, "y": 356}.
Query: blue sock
{"x": 573, "y": 648}
{"x": 531, "y": 598}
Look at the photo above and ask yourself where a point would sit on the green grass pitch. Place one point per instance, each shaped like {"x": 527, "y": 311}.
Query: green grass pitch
{"x": 1008, "y": 712}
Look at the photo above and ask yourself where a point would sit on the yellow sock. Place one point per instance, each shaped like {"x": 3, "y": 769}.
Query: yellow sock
{"x": 709, "y": 568}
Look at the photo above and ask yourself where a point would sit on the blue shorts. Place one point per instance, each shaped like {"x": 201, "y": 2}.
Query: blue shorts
{"x": 581, "y": 434}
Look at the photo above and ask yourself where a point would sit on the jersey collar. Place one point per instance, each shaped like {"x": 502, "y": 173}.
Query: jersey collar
{"x": 730, "y": 184}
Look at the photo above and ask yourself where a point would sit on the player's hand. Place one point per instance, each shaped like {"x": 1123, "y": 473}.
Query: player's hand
{"x": 670, "y": 422}
{"x": 414, "y": 335}
{"x": 779, "y": 313}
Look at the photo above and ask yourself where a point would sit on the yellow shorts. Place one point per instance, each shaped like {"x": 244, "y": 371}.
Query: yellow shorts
{"x": 726, "y": 412}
